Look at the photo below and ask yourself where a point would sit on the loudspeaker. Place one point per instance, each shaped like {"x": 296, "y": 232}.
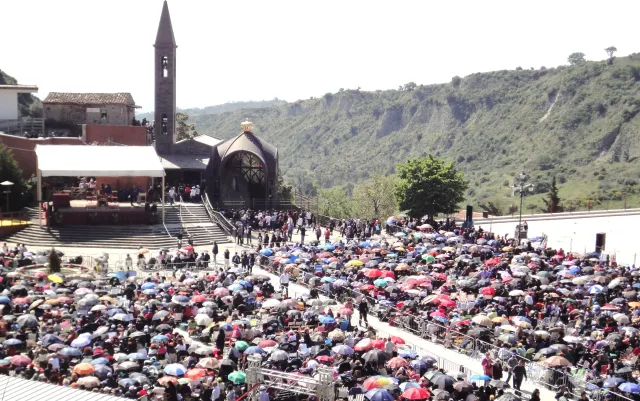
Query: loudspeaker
{"x": 469, "y": 213}
{"x": 601, "y": 240}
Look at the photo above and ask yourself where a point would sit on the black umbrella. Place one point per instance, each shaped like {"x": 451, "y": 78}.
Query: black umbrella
{"x": 163, "y": 327}
{"x": 626, "y": 369}
{"x": 375, "y": 356}
{"x": 508, "y": 397}
{"x": 444, "y": 381}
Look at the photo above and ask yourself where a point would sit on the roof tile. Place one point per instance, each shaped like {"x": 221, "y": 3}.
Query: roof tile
{"x": 89, "y": 98}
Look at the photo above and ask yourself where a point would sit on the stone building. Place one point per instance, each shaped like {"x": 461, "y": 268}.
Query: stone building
{"x": 90, "y": 108}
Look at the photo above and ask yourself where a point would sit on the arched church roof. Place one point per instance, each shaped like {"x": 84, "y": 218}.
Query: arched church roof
{"x": 248, "y": 142}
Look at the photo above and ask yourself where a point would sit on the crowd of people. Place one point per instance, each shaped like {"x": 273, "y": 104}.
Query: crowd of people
{"x": 188, "y": 334}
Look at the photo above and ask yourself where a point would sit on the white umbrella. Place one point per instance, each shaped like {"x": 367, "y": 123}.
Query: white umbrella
{"x": 271, "y": 303}
{"x": 516, "y": 293}
{"x": 203, "y": 320}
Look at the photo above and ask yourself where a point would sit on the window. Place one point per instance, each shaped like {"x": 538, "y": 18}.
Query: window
{"x": 165, "y": 66}
{"x": 103, "y": 114}
{"x": 165, "y": 123}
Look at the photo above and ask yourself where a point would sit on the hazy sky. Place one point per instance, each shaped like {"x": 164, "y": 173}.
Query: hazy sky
{"x": 255, "y": 50}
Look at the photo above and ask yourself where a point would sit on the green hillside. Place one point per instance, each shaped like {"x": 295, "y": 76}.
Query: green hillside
{"x": 220, "y": 108}
{"x": 29, "y": 105}
{"x": 579, "y": 123}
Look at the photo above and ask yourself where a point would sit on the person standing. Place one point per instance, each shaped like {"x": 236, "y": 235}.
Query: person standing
{"x": 303, "y": 230}
{"x": 226, "y": 259}
{"x": 214, "y": 252}
{"x": 284, "y": 282}
{"x": 487, "y": 365}
{"x": 248, "y": 235}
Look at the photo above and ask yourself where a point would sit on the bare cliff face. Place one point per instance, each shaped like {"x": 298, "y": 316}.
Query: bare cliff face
{"x": 578, "y": 123}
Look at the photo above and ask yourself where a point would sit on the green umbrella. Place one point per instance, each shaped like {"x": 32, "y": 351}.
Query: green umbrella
{"x": 241, "y": 345}
{"x": 237, "y": 377}
{"x": 428, "y": 258}
{"x": 432, "y": 374}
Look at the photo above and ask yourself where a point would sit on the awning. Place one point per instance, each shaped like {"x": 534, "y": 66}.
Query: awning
{"x": 184, "y": 162}
{"x": 15, "y": 389}
{"x": 98, "y": 161}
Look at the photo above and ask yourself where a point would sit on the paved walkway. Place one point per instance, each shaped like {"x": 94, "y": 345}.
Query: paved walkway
{"x": 411, "y": 339}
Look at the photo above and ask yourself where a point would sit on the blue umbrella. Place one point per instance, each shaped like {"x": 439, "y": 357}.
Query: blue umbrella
{"x": 175, "y": 369}
{"x": 596, "y": 289}
{"x": 254, "y": 350}
{"x": 418, "y": 365}
{"x": 126, "y": 383}
{"x": 266, "y": 252}
{"x": 327, "y": 279}
{"x": 327, "y": 319}
{"x": 160, "y": 339}
{"x": 100, "y": 361}
{"x": 328, "y": 247}
{"x": 244, "y": 283}
{"x": 378, "y": 394}
{"x": 235, "y": 287}
{"x": 148, "y": 285}
{"x": 629, "y": 387}
{"x": 480, "y": 377}
{"x": 407, "y": 385}
{"x": 380, "y": 282}
{"x": 68, "y": 351}
{"x": 119, "y": 275}
{"x": 102, "y": 371}
{"x": 49, "y": 339}
{"x": 365, "y": 244}
{"x": 342, "y": 350}
{"x": 612, "y": 382}
{"x": 5, "y": 300}
{"x": 81, "y": 341}
{"x": 5, "y": 362}
{"x": 226, "y": 327}
{"x": 180, "y": 299}
{"x": 137, "y": 356}
{"x": 407, "y": 353}
{"x": 12, "y": 341}
{"x": 114, "y": 311}
{"x": 150, "y": 291}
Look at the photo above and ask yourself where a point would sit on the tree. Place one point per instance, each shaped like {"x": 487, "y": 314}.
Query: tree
{"x": 410, "y": 86}
{"x": 428, "y": 186}
{"x": 610, "y": 50}
{"x": 184, "y": 130}
{"x": 54, "y": 262}
{"x": 552, "y": 201}
{"x": 576, "y": 58}
{"x": 374, "y": 199}
{"x": 334, "y": 203}
{"x": 513, "y": 209}
{"x": 492, "y": 208}
{"x": 455, "y": 81}
{"x": 9, "y": 171}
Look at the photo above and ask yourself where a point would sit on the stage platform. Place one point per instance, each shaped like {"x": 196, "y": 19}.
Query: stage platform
{"x": 81, "y": 212}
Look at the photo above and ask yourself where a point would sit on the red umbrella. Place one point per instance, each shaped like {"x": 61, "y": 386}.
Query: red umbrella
{"x": 363, "y": 345}
{"x": 21, "y": 301}
{"x": 325, "y": 358}
{"x": 389, "y": 274}
{"x": 379, "y": 344}
{"x": 325, "y": 255}
{"x": 488, "y": 291}
{"x": 439, "y": 276}
{"x": 397, "y": 362}
{"x": 187, "y": 248}
{"x": 416, "y": 393}
{"x": 373, "y": 273}
{"x": 198, "y": 298}
{"x": 367, "y": 287}
{"x": 397, "y": 340}
{"x": 448, "y": 303}
{"x": 267, "y": 343}
{"x": 438, "y": 314}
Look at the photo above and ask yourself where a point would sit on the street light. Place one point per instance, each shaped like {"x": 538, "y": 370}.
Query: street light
{"x": 522, "y": 186}
{"x": 7, "y": 191}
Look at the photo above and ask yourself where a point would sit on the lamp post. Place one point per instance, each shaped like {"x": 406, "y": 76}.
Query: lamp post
{"x": 7, "y": 191}
{"x": 522, "y": 186}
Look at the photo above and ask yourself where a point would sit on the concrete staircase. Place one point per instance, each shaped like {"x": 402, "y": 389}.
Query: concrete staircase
{"x": 194, "y": 222}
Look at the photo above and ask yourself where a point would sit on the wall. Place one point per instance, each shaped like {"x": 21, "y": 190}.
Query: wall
{"x": 117, "y": 114}
{"x": 24, "y": 153}
{"x": 118, "y": 183}
{"x": 8, "y": 104}
{"x": 120, "y": 134}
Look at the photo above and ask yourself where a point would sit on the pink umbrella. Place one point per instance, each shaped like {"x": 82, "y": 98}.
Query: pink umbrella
{"x": 20, "y": 360}
{"x": 199, "y": 298}
{"x": 21, "y": 301}
{"x": 221, "y": 292}
{"x": 438, "y": 314}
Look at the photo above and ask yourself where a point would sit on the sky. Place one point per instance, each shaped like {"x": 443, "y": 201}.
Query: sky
{"x": 258, "y": 50}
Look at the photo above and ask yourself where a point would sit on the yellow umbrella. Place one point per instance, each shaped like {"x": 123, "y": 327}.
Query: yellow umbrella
{"x": 399, "y": 249}
{"x": 507, "y": 249}
{"x": 499, "y": 319}
{"x": 55, "y": 279}
{"x": 448, "y": 249}
{"x": 143, "y": 250}
{"x": 355, "y": 263}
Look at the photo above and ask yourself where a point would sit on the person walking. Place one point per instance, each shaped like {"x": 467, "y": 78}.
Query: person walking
{"x": 284, "y": 282}
{"x": 214, "y": 252}
{"x": 519, "y": 373}
{"x": 248, "y": 235}
{"x": 302, "y": 230}
{"x": 363, "y": 309}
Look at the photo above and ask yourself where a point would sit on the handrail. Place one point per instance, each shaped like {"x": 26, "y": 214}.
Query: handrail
{"x": 180, "y": 216}
{"x": 218, "y": 218}
{"x": 193, "y": 215}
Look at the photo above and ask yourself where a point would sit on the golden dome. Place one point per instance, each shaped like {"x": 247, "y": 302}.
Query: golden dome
{"x": 247, "y": 126}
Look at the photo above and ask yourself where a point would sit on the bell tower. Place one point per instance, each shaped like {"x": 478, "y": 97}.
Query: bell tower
{"x": 165, "y": 84}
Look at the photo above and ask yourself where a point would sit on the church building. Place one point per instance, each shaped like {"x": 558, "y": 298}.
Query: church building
{"x": 237, "y": 172}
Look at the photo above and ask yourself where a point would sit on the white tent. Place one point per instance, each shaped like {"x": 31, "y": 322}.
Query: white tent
{"x": 99, "y": 161}
{"x": 102, "y": 161}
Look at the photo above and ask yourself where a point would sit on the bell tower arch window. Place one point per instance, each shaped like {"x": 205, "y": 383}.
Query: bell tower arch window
{"x": 165, "y": 66}
{"x": 165, "y": 122}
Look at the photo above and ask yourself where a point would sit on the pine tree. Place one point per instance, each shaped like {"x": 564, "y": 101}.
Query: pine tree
{"x": 552, "y": 202}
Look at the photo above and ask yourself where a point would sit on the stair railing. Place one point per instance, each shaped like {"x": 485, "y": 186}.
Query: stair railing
{"x": 217, "y": 217}
{"x": 193, "y": 215}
